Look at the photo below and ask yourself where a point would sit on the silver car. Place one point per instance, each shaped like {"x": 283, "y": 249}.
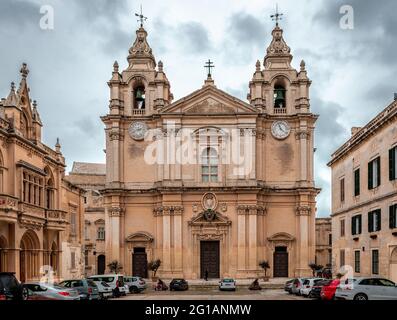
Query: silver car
{"x": 44, "y": 291}
{"x": 366, "y": 289}
{"x": 227, "y": 284}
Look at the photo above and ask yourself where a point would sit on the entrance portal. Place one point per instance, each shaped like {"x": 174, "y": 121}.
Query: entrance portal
{"x": 209, "y": 259}
{"x": 139, "y": 263}
{"x": 101, "y": 264}
{"x": 280, "y": 262}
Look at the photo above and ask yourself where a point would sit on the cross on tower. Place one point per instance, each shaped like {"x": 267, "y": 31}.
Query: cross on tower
{"x": 208, "y": 65}
{"x": 142, "y": 18}
{"x": 277, "y": 16}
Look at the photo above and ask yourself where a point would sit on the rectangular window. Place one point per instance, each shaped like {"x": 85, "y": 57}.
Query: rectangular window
{"x": 357, "y": 266}
{"x": 73, "y": 260}
{"x": 393, "y": 163}
{"x": 342, "y": 190}
{"x": 356, "y": 225}
{"x": 86, "y": 257}
{"x": 357, "y": 182}
{"x": 374, "y": 220}
{"x": 375, "y": 262}
{"x": 86, "y": 233}
{"x": 32, "y": 188}
{"x": 342, "y": 258}
{"x": 374, "y": 174}
{"x": 72, "y": 223}
{"x": 393, "y": 216}
{"x": 330, "y": 239}
{"x": 342, "y": 228}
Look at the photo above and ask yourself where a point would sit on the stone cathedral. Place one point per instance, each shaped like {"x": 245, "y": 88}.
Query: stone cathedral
{"x": 210, "y": 183}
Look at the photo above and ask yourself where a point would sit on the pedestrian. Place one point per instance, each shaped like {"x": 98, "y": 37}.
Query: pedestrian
{"x": 206, "y": 275}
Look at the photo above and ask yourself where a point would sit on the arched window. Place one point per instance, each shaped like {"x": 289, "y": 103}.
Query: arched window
{"x": 209, "y": 165}
{"x": 139, "y": 97}
{"x": 23, "y": 125}
{"x": 101, "y": 233}
{"x": 279, "y": 97}
{"x": 49, "y": 189}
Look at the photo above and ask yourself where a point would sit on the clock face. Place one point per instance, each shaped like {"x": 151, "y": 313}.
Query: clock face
{"x": 280, "y": 129}
{"x": 137, "y": 130}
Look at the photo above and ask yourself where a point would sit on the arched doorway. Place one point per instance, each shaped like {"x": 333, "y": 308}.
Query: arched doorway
{"x": 393, "y": 265}
{"x": 29, "y": 256}
{"x": 101, "y": 264}
{"x": 3, "y": 254}
{"x": 280, "y": 262}
{"x": 54, "y": 257}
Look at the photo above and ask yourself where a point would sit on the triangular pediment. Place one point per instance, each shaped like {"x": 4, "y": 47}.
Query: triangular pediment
{"x": 209, "y": 100}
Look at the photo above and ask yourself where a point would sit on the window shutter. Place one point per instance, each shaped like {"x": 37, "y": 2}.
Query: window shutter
{"x": 378, "y": 169}
{"x": 370, "y": 176}
{"x": 353, "y": 226}
{"x": 359, "y": 224}
{"x": 370, "y": 222}
{"x": 392, "y": 164}
{"x": 392, "y": 217}
{"x": 357, "y": 182}
{"x": 379, "y": 219}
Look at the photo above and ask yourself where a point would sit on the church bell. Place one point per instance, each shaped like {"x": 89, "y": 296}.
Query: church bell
{"x": 279, "y": 98}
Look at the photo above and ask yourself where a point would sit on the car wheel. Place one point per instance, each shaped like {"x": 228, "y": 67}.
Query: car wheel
{"x": 360, "y": 296}
{"x": 25, "y": 293}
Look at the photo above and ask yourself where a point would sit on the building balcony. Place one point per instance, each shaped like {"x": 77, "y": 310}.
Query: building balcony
{"x": 56, "y": 219}
{"x": 280, "y": 110}
{"x": 8, "y": 208}
{"x": 138, "y": 112}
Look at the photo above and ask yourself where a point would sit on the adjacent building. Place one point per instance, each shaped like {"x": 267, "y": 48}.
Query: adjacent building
{"x": 41, "y": 214}
{"x": 91, "y": 178}
{"x": 323, "y": 242}
{"x": 364, "y": 199}
{"x": 210, "y": 182}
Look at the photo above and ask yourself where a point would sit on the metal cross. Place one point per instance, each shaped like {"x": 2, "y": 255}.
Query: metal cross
{"x": 142, "y": 18}
{"x": 277, "y": 16}
{"x": 208, "y": 65}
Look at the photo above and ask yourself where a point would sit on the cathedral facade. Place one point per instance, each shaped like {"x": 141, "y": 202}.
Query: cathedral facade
{"x": 210, "y": 183}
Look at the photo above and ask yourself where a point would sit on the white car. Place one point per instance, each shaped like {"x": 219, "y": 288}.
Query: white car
{"x": 105, "y": 291}
{"x": 114, "y": 281}
{"x": 135, "y": 284}
{"x": 227, "y": 284}
{"x": 307, "y": 286}
{"x": 366, "y": 289}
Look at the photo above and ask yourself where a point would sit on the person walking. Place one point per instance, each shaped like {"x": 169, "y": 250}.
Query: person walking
{"x": 206, "y": 275}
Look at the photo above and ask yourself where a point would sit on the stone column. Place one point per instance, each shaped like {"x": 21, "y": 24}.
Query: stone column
{"x": 115, "y": 215}
{"x": 252, "y": 239}
{"x": 166, "y": 240}
{"x": 303, "y": 213}
{"x": 241, "y": 245}
{"x": 178, "y": 240}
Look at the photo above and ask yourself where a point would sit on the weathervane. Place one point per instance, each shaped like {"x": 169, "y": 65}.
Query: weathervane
{"x": 208, "y": 65}
{"x": 277, "y": 16}
{"x": 142, "y": 18}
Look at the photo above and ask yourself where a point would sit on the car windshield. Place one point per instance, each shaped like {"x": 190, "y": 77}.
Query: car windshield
{"x": 8, "y": 281}
{"x": 228, "y": 280}
{"x": 91, "y": 283}
{"x": 105, "y": 279}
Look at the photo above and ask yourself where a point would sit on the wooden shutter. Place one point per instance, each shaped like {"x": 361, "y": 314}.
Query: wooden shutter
{"x": 392, "y": 164}
{"x": 357, "y": 182}
{"x": 371, "y": 221}
{"x": 392, "y": 216}
{"x": 370, "y": 175}
{"x": 359, "y": 224}
{"x": 353, "y": 226}
{"x": 379, "y": 219}
{"x": 378, "y": 171}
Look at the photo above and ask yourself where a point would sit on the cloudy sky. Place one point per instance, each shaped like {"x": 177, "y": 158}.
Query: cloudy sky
{"x": 353, "y": 71}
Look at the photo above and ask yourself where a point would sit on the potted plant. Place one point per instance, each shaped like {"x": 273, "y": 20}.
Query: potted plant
{"x": 115, "y": 266}
{"x": 154, "y": 266}
{"x": 315, "y": 268}
{"x": 265, "y": 265}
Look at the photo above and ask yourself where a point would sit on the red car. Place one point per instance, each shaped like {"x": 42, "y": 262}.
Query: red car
{"x": 328, "y": 291}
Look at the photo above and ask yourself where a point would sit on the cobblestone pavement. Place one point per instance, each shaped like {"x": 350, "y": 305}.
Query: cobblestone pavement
{"x": 242, "y": 294}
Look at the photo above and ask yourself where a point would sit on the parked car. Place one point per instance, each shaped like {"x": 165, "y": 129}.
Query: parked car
{"x": 227, "y": 284}
{"x": 135, "y": 284}
{"x": 105, "y": 291}
{"x": 86, "y": 288}
{"x": 179, "y": 285}
{"x": 366, "y": 289}
{"x": 115, "y": 281}
{"x": 11, "y": 288}
{"x": 316, "y": 290}
{"x": 288, "y": 286}
{"x": 43, "y": 291}
{"x": 297, "y": 285}
{"x": 307, "y": 286}
{"x": 328, "y": 291}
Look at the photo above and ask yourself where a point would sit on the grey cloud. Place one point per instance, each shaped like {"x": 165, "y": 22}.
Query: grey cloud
{"x": 194, "y": 37}
{"x": 19, "y": 14}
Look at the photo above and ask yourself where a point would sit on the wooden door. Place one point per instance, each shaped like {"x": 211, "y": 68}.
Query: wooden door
{"x": 209, "y": 259}
{"x": 101, "y": 264}
{"x": 280, "y": 263}
{"x": 139, "y": 264}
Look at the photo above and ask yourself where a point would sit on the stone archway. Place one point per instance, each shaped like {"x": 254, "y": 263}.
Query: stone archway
{"x": 3, "y": 254}
{"x": 29, "y": 256}
{"x": 280, "y": 245}
{"x": 393, "y": 265}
